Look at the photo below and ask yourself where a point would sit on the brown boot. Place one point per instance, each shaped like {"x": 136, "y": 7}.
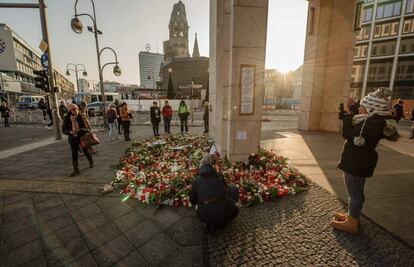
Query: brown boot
{"x": 75, "y": 169}
{"x": 350, "y": 225}
{"x": 340, "y": 216}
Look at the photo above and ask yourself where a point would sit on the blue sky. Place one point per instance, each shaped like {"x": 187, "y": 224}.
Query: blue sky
{"x": 127, "y": 25}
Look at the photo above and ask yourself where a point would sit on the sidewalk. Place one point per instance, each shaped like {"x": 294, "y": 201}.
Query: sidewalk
{"x": 389, "y": 193}
{"x": 50, "y": 219}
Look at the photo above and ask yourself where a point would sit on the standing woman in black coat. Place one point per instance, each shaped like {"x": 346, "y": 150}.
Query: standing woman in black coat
{"x": 75, "y": 126}
{"x": 359, "y": 158}
{"x": 155, "y": 113}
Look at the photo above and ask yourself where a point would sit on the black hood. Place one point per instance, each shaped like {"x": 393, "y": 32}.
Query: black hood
{"x": 206, "y": 170}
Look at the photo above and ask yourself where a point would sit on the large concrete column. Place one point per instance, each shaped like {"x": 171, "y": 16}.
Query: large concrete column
{"x": 238, "y": 31}
{"x": 328, "y": 62}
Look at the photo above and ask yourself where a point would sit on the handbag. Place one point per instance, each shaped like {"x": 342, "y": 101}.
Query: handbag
{"x": 359, "y": 141}
{"x": 88, "y": 140}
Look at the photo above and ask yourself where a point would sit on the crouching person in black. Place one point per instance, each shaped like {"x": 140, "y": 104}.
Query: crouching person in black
{"x": 215, "y": 200}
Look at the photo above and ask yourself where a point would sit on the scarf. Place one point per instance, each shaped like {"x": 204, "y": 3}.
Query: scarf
{"x": 361, "y": 117}
{"x": 75, "y": 124}
{"x": 390, "y": 130}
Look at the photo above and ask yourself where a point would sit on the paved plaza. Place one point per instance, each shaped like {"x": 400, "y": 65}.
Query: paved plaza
{"x": 50, "y": 219}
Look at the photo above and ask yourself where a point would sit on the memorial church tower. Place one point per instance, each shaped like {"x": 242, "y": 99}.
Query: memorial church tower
{"x": 177, "y": 45}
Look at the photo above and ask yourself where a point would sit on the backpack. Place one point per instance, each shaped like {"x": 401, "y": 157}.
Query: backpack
{"x": 111, "y": 116}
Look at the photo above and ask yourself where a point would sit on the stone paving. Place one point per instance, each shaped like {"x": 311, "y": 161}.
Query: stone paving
{"x": 50, "y": 219}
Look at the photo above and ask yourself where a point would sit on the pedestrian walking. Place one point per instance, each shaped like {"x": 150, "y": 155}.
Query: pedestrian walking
{"x": 359, "y": 158}
{"x": 206, "y": 106}
{"x": 43, "y": 108}
{"x": 155, "y": 114}
{"x": 126, "y": 119}
{"x": 167, "y": 113}
{"x": 412, "y": 125}
{"x": 399, "y": 110}
{"x": 62, "y": 109}
{"x": 49, "y": 112}
{"x": 75, "y": 126}
{"x": 5, "y": 113}
{"x": 183, "y": 113}
{"x": 112, "y": 118}
{"x": 215, "y": 200}
{"x": 83, "y": 110}
{"x": 118, "y": 113}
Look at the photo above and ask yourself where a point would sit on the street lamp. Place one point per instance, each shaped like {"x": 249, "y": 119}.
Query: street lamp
{"x": 153, "y": 81}
{"x": 116, "y": 70}
{"x": 76, "y": 70}
{"x": 77, "y": 27}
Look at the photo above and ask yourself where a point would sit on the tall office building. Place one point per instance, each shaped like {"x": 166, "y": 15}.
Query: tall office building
{"x": 18, "y": 60}
{"x": 384, "y": 48}
{"x": 149, "y": 69}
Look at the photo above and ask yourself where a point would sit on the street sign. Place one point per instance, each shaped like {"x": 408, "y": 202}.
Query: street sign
{"x": 43, "y": 46}
{"x": 44, "y": 60}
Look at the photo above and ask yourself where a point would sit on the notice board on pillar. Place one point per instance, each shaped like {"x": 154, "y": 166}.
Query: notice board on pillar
{"x": 247, "y": 84}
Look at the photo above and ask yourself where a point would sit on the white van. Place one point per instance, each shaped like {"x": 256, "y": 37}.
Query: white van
{"x": 28, "y": 102}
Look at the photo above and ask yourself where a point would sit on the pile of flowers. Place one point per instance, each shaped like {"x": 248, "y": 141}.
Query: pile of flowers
{"x": 161, "y": 171}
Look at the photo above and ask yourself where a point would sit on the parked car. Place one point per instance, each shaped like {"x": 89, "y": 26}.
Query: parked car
{"x": 28, "y": 102}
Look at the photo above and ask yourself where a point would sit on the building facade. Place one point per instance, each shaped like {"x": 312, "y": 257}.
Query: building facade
{"x": 18, "y": 60}
{"x": 84, "y": 85}
{"x": 111, "y": 86}
{"x": 149, "y": 69}
{"x": 177, "y": 45}
{"x": 384, "y": 48}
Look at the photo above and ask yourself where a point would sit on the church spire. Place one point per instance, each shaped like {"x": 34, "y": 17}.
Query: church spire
{"x": 196, "y": 52}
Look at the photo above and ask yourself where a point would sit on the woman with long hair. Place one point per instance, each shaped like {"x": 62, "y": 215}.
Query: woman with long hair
{"x": 359, "y": 157}
{"x": 75, "y": 126}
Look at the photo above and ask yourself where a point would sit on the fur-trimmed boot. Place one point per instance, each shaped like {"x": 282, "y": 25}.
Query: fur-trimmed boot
{"x": 75, "y": 169}
{"x": 341, "y": 216}
{"x": 350, "y": 225}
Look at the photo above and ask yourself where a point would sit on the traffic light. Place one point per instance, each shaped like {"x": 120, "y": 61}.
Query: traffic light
{"x": 42, "y": 80}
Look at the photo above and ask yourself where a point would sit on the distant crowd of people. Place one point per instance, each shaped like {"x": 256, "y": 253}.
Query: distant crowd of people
{"x": 77, "y": 126}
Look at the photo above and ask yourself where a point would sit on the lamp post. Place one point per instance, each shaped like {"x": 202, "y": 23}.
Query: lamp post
{"x": 153, "y": 81}
{"x": 84, "y": 73}
{"x": 77, "y": 27}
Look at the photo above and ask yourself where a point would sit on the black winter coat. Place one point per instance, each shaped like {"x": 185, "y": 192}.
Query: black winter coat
{"x": 155, "y": 113}
{"x": 361, "y": 161}
{"x": 209, "y": 192}
{"x": 67, "y": 127}
{"x": 399, "y": 112}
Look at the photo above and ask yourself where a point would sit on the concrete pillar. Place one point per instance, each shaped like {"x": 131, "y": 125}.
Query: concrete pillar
{"x": 328, "y": 62}
{"x": 238, "y": 30}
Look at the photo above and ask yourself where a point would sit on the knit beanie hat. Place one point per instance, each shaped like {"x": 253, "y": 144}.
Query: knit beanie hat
{"x": 378, "y": 100}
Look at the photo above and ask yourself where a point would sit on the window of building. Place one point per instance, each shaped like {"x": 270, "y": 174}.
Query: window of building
{"x": 364, "y": 50}
{"x": 394, "y": 28}
{"x": 389, "y": 10}
{"x": 403, "y": 92}
{"x": 410, "y": 6}
{"x": 380, "y": 71}
{"x": 405, "y": 69}
{"x": 386, "y": 30}
{"x": 377, "y": 32}
{"x": 358, "y": 73}
{"x": 407, "y": 26}
{"x": 407, "y": 46}
{"x": 367, "y": 32}
{"x": 367, "y": 14}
